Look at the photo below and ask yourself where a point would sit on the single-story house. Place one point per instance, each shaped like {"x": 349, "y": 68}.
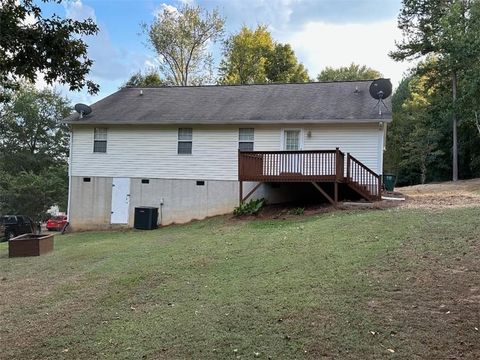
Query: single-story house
{"x": 198, "y": 151}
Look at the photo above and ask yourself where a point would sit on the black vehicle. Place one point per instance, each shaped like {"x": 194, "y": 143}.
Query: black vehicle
{"x": 15, "y": 225}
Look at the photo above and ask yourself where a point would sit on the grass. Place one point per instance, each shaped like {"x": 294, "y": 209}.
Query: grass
{"x": 346, "y": 285}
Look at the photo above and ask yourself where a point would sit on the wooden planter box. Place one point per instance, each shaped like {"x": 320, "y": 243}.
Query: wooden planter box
{"x": 30, "y": 245}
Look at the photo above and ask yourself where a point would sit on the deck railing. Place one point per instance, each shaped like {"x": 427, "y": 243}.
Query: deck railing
{"x": 291, "y": 166}
{"x": 363, "y": 178}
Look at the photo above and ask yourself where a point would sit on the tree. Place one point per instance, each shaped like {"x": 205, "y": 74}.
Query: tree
{"x": 246, "y": 56}
{"x": 150, "y": 78}
{"x": 181, "y": 39}
{"x": 31, "y": 44}
{"x": 351, "y": 72}
{"x": 447, "y": 30}
{"x": 419, "y": 139}
{"x": 283, "y": 66}
{"x": 421, "y": 147}
{"x": 31, "y": 130}
{"x": 397, "y": 131}
{"x": 32, "y": 194}
{"x": 33, "y": 151}
{"x": 252, "y": 56}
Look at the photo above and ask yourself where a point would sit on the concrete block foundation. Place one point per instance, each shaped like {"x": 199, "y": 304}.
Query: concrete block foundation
{"x": 183, "y": 200}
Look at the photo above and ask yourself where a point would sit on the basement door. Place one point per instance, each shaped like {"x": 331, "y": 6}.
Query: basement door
{"x": 120, "y": 200}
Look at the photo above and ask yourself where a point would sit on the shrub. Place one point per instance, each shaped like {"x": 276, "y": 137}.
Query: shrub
{"x": 297, "y": 211}
{"x": 250, "y": 208}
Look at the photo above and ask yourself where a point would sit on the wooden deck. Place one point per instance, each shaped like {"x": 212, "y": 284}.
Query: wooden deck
{"x": 314, "y": 166}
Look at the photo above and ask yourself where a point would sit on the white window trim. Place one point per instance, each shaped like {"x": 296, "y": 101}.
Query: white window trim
{"x": 282, "y": 138}
{"x": 93, "y": 136}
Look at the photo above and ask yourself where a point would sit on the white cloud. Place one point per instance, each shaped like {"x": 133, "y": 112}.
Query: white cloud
{"x": 40, "y": 82}
{"x": 164, "y": 8}
{"x": 169, "y": 8}
{"x": 109, "y": 61}
{"x": 76, "y": 10}
{"x": 320, "y": 44}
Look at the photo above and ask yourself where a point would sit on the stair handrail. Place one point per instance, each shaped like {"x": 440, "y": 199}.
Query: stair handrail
{"x": 377, "y": 177}
{"x": 361, "y": 165}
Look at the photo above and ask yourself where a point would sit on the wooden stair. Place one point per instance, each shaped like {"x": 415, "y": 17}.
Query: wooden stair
{"x": 362, "y": 190}
{"x": 363, "y": 180}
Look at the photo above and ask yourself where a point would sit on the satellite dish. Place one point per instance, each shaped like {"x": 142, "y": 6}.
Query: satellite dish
{"x": 381, "y": 89}
{"x": 83, "y": 109}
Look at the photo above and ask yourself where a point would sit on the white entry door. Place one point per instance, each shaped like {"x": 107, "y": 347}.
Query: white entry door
{"x": 292, "y": 140}
{"x": 120, "y": 200}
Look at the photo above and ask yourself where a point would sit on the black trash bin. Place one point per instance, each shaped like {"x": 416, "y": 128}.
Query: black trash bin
{"x": 389, "y": 181}
{"x": 145, "y": 218}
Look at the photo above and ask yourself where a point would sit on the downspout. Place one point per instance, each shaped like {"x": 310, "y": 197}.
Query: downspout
{"x": 70, "y": 156}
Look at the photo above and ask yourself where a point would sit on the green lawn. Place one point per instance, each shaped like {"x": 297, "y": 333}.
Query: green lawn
{"x": 396, "y": 283}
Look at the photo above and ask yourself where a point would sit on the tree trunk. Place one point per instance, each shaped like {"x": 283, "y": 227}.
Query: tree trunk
{"x": 477, "y": 122}
{"x": 423, "y": 169}
{"x": 454, "y": 118}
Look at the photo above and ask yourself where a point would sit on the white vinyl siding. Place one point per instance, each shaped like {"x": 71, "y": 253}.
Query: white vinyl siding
{"x": 151, "y": 151}
{"x": 362, "y": 141}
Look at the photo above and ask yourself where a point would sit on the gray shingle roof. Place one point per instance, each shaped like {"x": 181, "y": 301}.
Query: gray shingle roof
{"x": 316, "y": 102}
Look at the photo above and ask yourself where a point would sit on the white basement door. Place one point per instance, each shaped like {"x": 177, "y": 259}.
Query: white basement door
{"x": 120, "y": 200}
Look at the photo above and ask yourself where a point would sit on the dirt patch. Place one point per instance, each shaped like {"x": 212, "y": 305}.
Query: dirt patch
{"x": 441, "y": 200}
{"x": 289, "y": 211}
{"x": 472, "y": 185}
{"x": 458, "y": 194}
{"x": 286, "y": 211}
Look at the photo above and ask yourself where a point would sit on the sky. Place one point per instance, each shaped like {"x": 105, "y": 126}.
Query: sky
{"x": 321, "y": 32}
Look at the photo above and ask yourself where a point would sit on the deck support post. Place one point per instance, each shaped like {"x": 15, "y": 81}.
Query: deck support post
{"x": 336, "y": 192}
{"x": 240, "y": 195}
{"x": 251, "y": 192}
{"x": 348, "y": 167}
{"x": 324, "y": 193}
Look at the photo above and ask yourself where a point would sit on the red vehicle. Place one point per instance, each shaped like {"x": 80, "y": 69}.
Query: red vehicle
{"x": 56, "y": 223}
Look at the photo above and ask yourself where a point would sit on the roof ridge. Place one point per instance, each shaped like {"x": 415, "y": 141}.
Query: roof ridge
{"x": 246, "y": 85}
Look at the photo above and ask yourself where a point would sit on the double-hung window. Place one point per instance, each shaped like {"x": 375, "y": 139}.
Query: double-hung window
{"x": 245, "y": 139}
{"x": 100, "y": 140}
{"x": 185, "y": 141}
